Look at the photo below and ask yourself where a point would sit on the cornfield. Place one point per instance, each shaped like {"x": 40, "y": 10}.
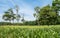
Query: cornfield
{"x": 30, "y": 32}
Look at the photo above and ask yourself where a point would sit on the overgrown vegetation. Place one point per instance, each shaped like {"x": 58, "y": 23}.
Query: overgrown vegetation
{"x": 30, "y": 31}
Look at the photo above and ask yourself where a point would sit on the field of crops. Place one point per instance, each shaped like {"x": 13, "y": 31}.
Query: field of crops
{"x": 30, "y": 31}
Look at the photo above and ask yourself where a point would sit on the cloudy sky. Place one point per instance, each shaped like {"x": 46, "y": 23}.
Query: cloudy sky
{"x": 25, "y": 6}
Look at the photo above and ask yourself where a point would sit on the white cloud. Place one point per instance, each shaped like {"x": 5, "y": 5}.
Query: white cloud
{"x": 27, "y": 10}
{"x": 1, "y": 17}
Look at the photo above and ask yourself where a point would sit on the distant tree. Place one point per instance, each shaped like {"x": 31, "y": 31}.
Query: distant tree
{"x": 17, "y": 15}
{"x": 9, "y": 15}
{"x": 30, "y": 23}
{"x": 18, "y": 18}
{"x": 23, "y": 20}
{"x": 37, "y": 10}
{"x": 13, "y": 17}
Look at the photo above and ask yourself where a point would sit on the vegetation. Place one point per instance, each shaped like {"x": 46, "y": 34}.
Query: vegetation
{"x": 17, "y": 15}
{"x": 48, "y": 15}
{"x": 30, "y": 31}
{"x": 9, "y": 15}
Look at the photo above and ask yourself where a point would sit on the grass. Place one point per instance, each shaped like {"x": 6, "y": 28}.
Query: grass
{"x": 30, "y": 31}
{"x": 45, "y": 26}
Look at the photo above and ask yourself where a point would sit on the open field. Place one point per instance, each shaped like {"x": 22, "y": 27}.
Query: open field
{"x": 28, "y": 26}
{"x": 30, "y": 31}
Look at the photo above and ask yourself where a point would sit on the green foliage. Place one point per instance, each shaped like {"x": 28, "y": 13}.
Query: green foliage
{"x": 19, "y": 32}
{"x": 48, "y": 15}
{"x": 5, "y": 23}
{"x": 8, "y": 23}
{"x": 9, "y": 15}
{"x": 30, "y": 23}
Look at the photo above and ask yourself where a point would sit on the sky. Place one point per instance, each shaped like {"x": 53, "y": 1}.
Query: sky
{"x": 26, "y": 7}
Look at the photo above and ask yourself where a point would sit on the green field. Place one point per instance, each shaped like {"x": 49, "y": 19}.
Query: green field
{"x": 30, "y": 31}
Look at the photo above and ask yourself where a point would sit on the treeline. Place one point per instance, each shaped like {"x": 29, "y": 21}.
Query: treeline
{"x": 8, "y": 23}
{"x": 27, "y": 23}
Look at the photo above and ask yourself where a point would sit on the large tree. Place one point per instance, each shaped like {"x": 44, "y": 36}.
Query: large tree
{"x": 56, "y": 7}
{"x": 9, "y": 15}
{"x": 46, "y": 15}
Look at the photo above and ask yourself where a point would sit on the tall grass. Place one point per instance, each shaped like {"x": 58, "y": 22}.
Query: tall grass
{"x": 29, "y": 31}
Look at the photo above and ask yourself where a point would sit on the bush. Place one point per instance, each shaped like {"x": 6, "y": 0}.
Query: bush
{"x": 30, "y": 23}
{"x": 8, "y": 23}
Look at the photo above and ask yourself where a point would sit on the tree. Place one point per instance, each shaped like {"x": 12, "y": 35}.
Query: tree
{"x": 45, "y": 15}
{"x": 48, "y": 14}
{"x": 18, "y": 18}
{"x": 23, "y": 20}
{"x": 56, "y": 6}
{"x": 9, "y": 15}
{"x": 13, "y": 17}
{"x": 37, "y": 10}
{"x": 17, "y": 15}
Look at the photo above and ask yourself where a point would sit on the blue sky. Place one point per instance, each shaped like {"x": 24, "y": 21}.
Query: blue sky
{"x": 25, "y": 6}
